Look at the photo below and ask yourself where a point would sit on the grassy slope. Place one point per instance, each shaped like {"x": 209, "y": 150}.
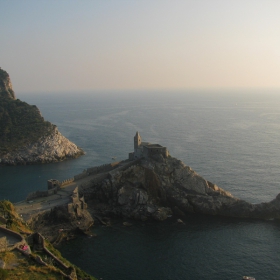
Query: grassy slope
{"x": 21, "y": 267}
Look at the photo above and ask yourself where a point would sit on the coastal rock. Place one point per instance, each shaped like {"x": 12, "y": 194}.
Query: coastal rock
{"x": 25, "y": 137}
{"x": 157, "y": 187}
{"x": 58, "y": 224}
{"x": 154, "y": 188}
{"x": 49, "y": 148}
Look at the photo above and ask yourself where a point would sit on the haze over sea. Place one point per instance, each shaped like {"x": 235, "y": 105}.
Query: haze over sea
{"x": 229, "y": 138}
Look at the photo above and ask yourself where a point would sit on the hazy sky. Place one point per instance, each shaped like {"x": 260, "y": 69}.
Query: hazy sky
{"x": 60, "y": 45}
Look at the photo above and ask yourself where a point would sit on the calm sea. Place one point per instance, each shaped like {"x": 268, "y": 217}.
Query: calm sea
{"x": 230, "y": 138}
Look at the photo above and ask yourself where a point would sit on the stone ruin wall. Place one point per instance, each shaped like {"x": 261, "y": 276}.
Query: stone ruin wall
{"x": 95, "y": 170}
{"x": 85, "y": 188}
{"x": 37, "y": 194}
{"x": 16, "y": 235}
{"x": 150, "y": 151}
{"x": 3, "y": 244}
{"x": 50, "y": 191}
{"x": 125, "y": 166}
{"x": 41, "y": 241}
{"x": 66, "y": 182}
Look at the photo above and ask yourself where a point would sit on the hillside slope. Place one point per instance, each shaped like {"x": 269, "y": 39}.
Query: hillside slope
{"x": 25, "y": 137}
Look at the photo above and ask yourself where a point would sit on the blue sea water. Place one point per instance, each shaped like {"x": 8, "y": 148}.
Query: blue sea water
{"x": 230, "y": 138}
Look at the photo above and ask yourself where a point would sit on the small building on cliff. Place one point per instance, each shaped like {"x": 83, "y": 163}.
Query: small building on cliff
{"x": 146, "y": 149}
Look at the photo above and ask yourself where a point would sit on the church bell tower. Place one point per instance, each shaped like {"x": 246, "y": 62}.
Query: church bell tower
{"x": 137, "y": 141}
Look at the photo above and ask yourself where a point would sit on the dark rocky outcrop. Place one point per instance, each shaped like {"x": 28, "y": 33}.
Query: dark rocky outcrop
{"x": 58, "y": 224}
{"x": 25, "y": 137}
{"x": 158, "y": 187}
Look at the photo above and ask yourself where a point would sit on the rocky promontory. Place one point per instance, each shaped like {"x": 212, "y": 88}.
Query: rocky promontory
{"x": 158, "y": 187}
{"x": 152, "y": 185}
{"x": 26, "y": 138}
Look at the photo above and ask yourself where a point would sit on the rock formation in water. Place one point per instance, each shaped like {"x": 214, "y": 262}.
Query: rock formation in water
{"x": 25, "y": 137}
{"x": 158, "y": 185}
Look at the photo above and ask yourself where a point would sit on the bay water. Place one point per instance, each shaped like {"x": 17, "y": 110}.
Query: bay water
{"x": 230, "y": 138}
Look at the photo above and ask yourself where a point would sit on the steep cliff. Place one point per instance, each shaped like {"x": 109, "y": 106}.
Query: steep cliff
{"x": 25, "y": 137}
{"x": 6, "y": 88}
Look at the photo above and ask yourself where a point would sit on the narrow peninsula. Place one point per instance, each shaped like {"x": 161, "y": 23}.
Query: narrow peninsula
{"x": 149, "y": 185}
{"x": 25, "y": 137}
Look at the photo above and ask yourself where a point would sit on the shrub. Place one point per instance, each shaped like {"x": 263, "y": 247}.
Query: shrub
{"x": 3, "y": 274}
{"x": 20, "y": 124}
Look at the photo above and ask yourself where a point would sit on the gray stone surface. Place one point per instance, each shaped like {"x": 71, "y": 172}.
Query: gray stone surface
{"x": 159, "y": 187}
{"x": 51, "y": 148}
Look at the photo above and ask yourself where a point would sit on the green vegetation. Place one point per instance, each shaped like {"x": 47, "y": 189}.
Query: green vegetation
{"x": 23, "y": 267}
{"x": 20, "y": 124}
{"x": 14, "y": 222}
{"x": 3, "y": 274}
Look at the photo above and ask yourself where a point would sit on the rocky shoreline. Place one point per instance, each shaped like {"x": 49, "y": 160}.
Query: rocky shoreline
{"x": 148, "y": 189}
{"x": 159, "y": 187}
{"x": 49, "y": 148}
{"x": 155, "y": 186}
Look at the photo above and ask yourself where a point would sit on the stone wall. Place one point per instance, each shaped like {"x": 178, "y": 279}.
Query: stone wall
{"x": 84, "y": 188}
{"x": 66, "y": 182}
{"x": 124, "y": 166}
{"x": 95, "y": 170}
{"x": 7, "y": 233}
{"x": 3, "y": 243}
{"x": 38, "y": 194}
{"x": 41, "y": 240}
{"x": 156, "y": 149}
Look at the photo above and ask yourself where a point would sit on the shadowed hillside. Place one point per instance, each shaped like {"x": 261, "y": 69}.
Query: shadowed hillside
{"x": 25, "y": 137}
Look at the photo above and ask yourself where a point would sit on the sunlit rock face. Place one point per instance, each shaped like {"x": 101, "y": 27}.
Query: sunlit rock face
{"x": 51, "y": 148}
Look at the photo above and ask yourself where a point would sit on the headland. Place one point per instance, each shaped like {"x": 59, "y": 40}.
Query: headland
{"x": 26, "y": 138}
{"x": 149, "y": 185}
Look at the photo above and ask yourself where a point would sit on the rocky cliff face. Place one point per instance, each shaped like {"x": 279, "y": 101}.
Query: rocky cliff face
{"x": 49, "y": 148}
{"x": 25, "y": 137}
{"x": 6, "y": 88}
{"x": 159, "y": 187}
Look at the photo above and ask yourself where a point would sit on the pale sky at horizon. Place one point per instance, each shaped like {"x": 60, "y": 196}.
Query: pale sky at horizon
{"x": 119, "y": 45}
